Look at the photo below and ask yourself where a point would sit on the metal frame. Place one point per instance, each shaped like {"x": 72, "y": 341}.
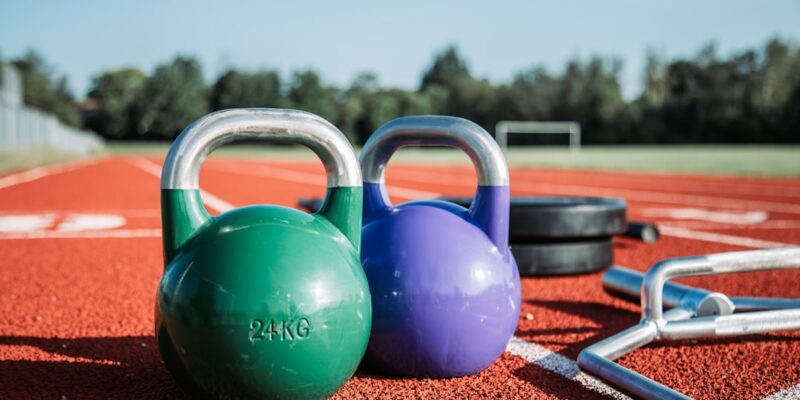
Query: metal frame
{"x": 697, "y": 312}
{"x": 503, "y": 128}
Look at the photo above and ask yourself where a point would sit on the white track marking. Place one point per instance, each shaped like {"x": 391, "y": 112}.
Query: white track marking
{"x": 112, "y": 234}
{"x": 769, "y": 225}
{"x": 665, "y": 197}
{"x": 694, "y": 184}
{"x": 285, "y": 174}
{"x": 721, "y": 238}
{"x": 26, "y": 223}
{"x": 208, "y": 199}
{"x": 791, "y": 393}
{"x": 408, "y": 193}
{"x": 41, "y": 172}
{"x": 726, "y": 217}
{"x": 90, "y": 222}
{"x": 650, "y": 196}
{"x": 554, "y": 362}
{"x": 315, "y": 179}
{"x": 129, "y": 213}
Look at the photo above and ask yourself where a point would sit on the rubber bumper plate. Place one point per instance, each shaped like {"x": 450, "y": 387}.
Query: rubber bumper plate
{"x": 563, "y": 258}
{"x": 561, "y": 217}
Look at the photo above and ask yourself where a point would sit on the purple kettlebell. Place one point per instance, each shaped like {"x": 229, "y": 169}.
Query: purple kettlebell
{"x": 445, "y": 286}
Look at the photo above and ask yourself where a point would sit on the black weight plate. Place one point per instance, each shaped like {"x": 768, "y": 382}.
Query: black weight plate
{"x": 563, "y": 258}
{"x": 534, "y": 217}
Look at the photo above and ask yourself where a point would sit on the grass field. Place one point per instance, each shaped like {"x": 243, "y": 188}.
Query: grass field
{"x": 12, "y": 161}
{"x": 756, "y": 160}
{"x": 742, "y": 160}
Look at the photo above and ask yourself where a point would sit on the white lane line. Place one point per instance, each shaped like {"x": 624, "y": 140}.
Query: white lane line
{"x": 314, "y": 179}
{"x": 650, "y": 179}
{"x": 26, "y": 223}
{"x": 408, "y": 193}
{"x": 649, "y": 196}
{"x": 43, "y": 171}
{"x": 208, "y": 199}
{"x": 130, "y": 213}
{"x": 778, "y": 224}
{"x": 554, "y": 362}
{"x": 112, "y": 234}
{"x": 90, "y": 222}
{"x": 700, "y": 214}
{"x": 687, "y": 182}
{"x": 721, "y": 238}
{"x": 786, "y": 394}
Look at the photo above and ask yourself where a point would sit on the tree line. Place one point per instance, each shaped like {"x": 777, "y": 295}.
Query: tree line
{"x": 751, "y": 96}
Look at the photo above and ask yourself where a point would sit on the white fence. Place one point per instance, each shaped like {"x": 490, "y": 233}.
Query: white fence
{"x": 23, "y": 127}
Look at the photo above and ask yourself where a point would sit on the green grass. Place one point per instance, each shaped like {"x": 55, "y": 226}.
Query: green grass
{"x": 13, "y": 161}
{"x": 728, "y": 160}
{"x": 755, "y": 160}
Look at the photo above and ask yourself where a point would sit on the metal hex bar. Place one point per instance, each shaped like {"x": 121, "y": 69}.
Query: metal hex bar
{"x": 597, "y": 358}
{"x": 681, "y": 322}
{"x": 721, "y": 263}
{"x": 626, "y": 283}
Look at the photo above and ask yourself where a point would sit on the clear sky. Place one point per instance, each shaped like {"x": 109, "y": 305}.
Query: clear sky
{"x": 395, "y": 40}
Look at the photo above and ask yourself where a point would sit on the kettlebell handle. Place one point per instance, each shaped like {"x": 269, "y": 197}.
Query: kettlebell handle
{"x": 186, "y": 155}
{"x": 429, "y": 131}
{"x": 490, "y": 208}
{"x": 180, "y": 175}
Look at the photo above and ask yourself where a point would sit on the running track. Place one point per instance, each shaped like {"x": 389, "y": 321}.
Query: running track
{"x": 76, "y": 305}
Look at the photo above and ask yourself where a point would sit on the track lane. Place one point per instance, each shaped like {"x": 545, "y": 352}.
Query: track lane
{"x": 76, "y": 315}
{"x": 565, "y": 326}
{"x": 559, "y": 323}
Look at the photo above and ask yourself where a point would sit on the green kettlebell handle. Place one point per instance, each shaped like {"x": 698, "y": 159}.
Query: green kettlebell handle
{"x": 183, "y": 213}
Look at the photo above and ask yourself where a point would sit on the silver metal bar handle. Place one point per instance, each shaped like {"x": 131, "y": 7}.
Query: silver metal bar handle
{"x": 732, "y": 325}
{"x": 598, "y": 358}
{"x": 186, "y": 155}
{"x": 630, "y": 382}
{"x": 678, "y": 323}
{"x": 434, "y": 130}
{"x": 763, "y": 303}
{"x": 626, "y": 283}
{"x": 721, "y": 263}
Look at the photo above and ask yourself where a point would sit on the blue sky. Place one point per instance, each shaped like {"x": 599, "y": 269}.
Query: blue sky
{"x": 396, "y": 40}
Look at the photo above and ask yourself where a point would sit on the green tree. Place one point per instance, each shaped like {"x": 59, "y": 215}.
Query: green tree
{"x": 352, "y": 106}
{"x": 448, "y": 67}
{"x": 172, "y": 97}
{"x": 237, "y": 89}
{"x": 306, "y": 92}
{"x": 43, "y": 90}
{"x": 115, "y": 92}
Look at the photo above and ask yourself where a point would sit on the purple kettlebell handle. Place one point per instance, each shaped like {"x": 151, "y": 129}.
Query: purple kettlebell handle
{"x": 490, "y": 208}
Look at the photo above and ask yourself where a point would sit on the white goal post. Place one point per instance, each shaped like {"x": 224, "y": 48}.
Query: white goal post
{"x": 503, "y": 128}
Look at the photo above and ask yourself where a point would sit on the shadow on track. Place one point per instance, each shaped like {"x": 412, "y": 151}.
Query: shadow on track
{"x": 126, "y": 367}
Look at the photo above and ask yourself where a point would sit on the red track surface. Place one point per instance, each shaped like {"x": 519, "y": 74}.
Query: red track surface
{"x": 76, "y": 314}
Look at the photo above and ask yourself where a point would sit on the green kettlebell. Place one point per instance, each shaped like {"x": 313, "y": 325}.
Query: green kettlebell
{"x": 262, "y": 301}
